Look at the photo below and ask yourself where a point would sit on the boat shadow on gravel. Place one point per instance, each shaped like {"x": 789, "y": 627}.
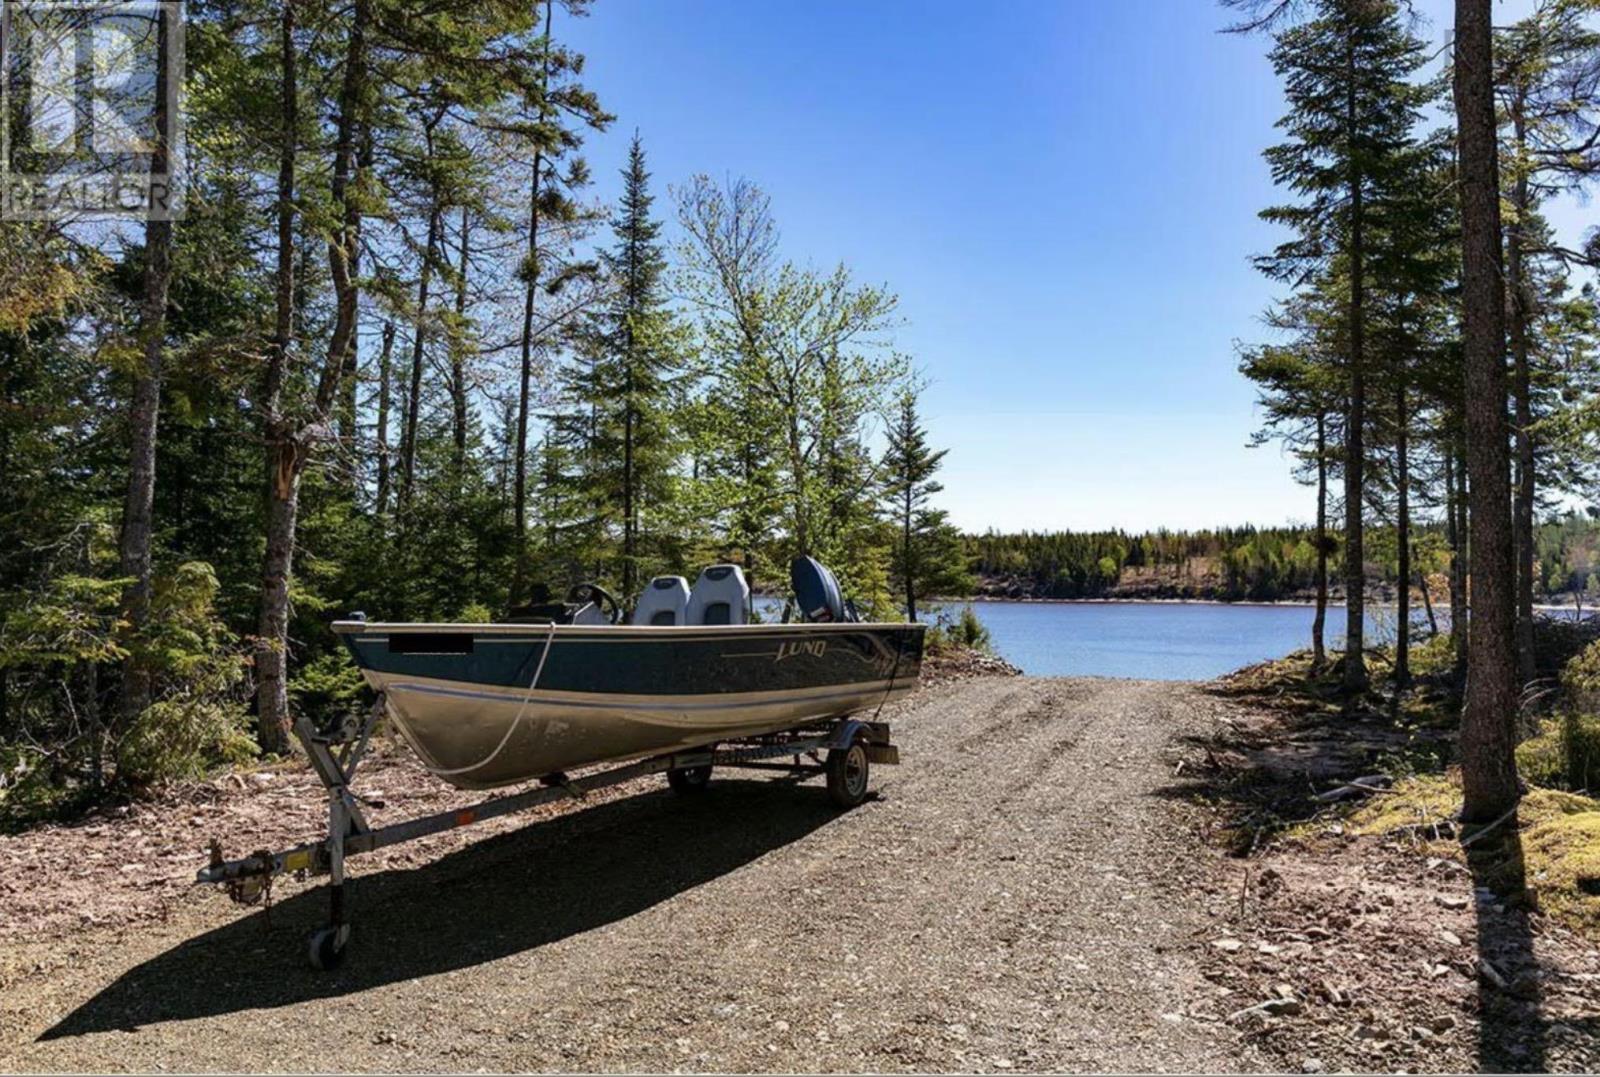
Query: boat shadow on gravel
{"x": 497, "y": 897}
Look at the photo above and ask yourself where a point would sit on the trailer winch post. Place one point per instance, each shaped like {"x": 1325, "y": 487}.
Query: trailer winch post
{"x": 345, "y": 818}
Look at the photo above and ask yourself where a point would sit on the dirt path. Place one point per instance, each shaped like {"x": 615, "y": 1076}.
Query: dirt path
{"x": 1019, "y": 897}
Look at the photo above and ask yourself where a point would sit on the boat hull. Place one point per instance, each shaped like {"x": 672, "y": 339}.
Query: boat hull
{"x": 461, "y": 697}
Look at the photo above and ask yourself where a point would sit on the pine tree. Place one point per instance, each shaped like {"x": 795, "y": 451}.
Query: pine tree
{"x": 560, "y": 109}
{"x": 927, "y": 555}
{"x": 1347, "y": 76}
{"x": 1548, "y": 86}
{"x": 1298, "y": 386}
{"x": 628, "y": 385}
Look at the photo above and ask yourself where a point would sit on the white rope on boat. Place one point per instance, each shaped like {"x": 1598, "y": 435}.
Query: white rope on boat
{"x": 528, "y": 695}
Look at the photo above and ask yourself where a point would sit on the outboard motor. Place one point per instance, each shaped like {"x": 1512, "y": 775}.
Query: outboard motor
{"x": 817, "y": 592}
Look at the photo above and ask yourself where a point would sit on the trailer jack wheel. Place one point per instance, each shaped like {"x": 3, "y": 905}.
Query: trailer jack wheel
{"x": 847, "y": 775}
{"x": 326, "y": 946}
{"x": 689, "y": 779}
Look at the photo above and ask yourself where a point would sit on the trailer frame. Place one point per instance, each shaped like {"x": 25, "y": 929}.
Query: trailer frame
{"x": 850, "y": 744}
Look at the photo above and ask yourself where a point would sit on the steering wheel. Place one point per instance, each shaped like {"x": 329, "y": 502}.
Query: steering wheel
{"x": 609, "y": 607}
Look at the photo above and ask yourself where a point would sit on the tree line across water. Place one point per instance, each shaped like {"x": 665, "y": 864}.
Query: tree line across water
{"x": 1261, "y": 564}
{"x": 398, "y": 357}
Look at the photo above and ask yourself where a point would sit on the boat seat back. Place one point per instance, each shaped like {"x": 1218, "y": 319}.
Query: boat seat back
{"x": 664, "y": 602}
{"x": 720, "y": 597}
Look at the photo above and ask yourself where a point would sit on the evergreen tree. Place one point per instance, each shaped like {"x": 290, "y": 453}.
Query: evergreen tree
{"x": 927, "y": 555}
{"x": 1298, "y": 386}
{"x": 628, "y": 385}
{"x": 1347, "y": 75}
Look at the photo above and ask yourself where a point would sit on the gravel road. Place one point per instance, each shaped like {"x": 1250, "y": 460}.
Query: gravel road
{"x": 1019, "y": 896}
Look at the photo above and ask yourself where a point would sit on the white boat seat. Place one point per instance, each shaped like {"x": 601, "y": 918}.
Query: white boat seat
{"x": 665, "y": 601}
{"x": 720, "y": 597}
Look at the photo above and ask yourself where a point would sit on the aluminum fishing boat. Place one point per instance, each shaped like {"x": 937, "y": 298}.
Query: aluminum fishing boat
{"x": 687, "y": 685}
{"x": 487, "y": 705}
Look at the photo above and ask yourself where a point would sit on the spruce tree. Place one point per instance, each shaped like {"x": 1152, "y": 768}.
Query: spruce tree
{"x": 927, "y": 554}
{"x": 1352, "y": 107}
{"x": 627, "y": 384}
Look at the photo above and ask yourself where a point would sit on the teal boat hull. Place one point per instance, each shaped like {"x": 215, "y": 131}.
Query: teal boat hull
{"x": 486, "y": 706}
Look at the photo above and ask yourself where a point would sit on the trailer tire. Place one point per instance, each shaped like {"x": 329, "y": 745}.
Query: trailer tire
{"x": 688, "y": 780}
{"x": 325, "y": 947}
{"x": 848, "y": 770}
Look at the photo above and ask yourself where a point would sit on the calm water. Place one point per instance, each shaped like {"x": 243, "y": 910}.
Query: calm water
{"x": 1150, "y": 640}
{"x": 1155, "y": 641}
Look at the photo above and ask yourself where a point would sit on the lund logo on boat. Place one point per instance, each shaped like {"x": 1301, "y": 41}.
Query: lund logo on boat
{"x": 813, "y": 647}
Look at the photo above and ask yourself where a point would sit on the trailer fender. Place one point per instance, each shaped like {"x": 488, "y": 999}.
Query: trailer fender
{"x": 874, "y": 735}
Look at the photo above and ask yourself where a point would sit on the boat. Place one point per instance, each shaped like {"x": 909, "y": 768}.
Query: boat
{"x": 577, "y": 683}
{"x": 689, "y": 681}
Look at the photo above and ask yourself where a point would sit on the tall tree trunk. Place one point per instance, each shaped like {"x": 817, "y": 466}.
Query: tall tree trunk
{"x": 905, "y": 557}
{"x": 520, "y": 484}
{"x": 1488, "y": 721}
{"x": 344, "y": 248}
{"x": 384, "y": 382}
{"x": 272, "y": 652}
{"x": 1355, "y": 665}
{"x": 408, "y": 445}
{"x": 283, "y": 471}
{"x": 630, "y": 506}
{"x": 1319, "y": 653}
{"x": 1460, "y": 564}
{"x": 145, "y": 411}
{"x": 458, "y": 358}
{"x": 1402, "y": 639}
{"x": 1520, "y": 308}
{"x": 630, "y": 522}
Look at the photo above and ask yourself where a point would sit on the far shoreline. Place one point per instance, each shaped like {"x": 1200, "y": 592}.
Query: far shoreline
{"x": 1263, "y": 603}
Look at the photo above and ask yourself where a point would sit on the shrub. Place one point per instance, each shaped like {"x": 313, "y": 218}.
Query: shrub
{"x": 328, "y": 690}
{"x": 1541, "y": 759}
{"x": 198, "y": 719}
{"x": 1580, "y": 719}
{"x": 184, "y": 736}
{"x": 962, "y": 630}
{"x": 1565, "y": 752}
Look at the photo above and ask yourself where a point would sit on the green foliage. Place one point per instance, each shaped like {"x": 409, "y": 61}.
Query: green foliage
{"x": 928, "y": 558}
{"x": 1564, "y": 753}
{"x": 199, "y": 719}
{"x": 1580, "y": 720}
{"x": 961, "y": 629}
{"x": 329, "y": 689}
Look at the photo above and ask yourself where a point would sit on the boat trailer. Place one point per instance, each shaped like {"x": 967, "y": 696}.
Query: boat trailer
{"x": 851, "y": 745}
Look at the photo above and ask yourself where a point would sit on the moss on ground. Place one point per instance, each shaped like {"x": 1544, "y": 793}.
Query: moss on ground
{"x": 1421, "y": 801}
{"x": 1559, "y": 842}
{"x": 1561, "y": 852}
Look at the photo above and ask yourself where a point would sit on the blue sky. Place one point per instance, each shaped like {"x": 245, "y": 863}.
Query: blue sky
{"x": 1063, "y": 193}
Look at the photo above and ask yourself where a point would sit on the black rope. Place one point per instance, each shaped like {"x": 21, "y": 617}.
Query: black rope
{"x": 900, "y": 649}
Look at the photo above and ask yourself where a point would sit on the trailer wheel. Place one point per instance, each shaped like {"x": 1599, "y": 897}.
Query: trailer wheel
{"x": 690, "y": 779}
{"x": 325, "y": 947}
{"x": 847, "y": 775}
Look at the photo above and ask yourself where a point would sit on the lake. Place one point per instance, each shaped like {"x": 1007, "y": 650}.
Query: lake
{"x": 1175, "y": 641}
{"x": 1167, "y": 641}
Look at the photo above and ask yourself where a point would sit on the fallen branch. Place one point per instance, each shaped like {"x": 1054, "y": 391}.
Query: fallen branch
{"x": 1480, "y": 833}
{"x": 1355, "y": 785}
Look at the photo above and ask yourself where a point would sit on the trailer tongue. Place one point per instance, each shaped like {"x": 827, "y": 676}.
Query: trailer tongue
{"x": 850, "y": 747}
